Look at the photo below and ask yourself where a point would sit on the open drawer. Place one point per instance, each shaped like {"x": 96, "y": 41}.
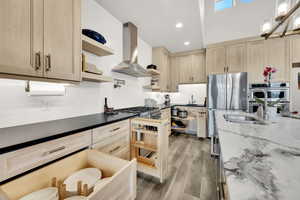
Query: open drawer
{"x": 122, "y": 184}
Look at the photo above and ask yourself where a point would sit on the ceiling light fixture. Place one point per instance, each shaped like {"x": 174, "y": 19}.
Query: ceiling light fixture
{"x": 187, "y": 43}
{"x": 179, "y": 25}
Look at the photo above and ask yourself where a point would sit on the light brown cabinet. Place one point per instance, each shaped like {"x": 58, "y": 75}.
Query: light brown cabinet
{"x": 160, "y": 58}
{"x": 191, "y": 66}
{"x": 198, "y": 68}
{"x": 21, "y": 37}
{"x": 185, "y": 69}
{"x": 236, "y": 57}
{"x": 41, "y": 38}
{"x": 255, "y": 61}
{"x": 226, "y": 58}
{"x": 113, "y": 139}
{"x": 294, "y": 49}
{"x": 272, "y": 52}
{"x": 174, "y": 73}
{"x": 17, "y": 162}
{"x": 276, "y": 55}
{"x": 215, "y": 60}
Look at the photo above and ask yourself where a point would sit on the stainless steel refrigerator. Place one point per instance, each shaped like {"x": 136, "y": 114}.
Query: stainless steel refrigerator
{"x": 226, "y": 92}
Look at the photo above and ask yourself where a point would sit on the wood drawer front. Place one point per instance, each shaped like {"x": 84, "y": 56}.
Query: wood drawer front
{"x": 22, "y": 160}
{"x": 121, "y": 186}
{"x": 108, "y": 131}
{"x": 114, "y": 145}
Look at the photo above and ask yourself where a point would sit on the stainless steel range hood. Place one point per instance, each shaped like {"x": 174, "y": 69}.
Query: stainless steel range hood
{"x": 130, "y": 64}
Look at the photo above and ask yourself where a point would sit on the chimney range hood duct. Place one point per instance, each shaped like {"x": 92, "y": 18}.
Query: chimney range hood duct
{"x": 130, "y": 64}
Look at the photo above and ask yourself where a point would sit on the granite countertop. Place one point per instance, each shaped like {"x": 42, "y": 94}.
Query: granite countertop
{"x": 17, "y": 137}
{"x": 261, "y": 161}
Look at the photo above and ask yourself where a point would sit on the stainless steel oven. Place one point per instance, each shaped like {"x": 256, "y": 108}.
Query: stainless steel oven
{"x": 273, "y": 92}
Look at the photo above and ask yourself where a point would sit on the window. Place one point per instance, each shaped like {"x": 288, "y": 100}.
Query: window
{"x": 222, "y": 4}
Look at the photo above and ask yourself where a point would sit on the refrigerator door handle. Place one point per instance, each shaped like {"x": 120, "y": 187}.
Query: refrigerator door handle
{"x": 214, "y": 146}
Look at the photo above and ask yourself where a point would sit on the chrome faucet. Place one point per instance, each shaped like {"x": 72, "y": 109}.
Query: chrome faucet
{"x": 192, "y": 100}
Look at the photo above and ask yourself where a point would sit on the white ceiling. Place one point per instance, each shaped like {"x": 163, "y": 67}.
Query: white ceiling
{"x": 156, "y": 21}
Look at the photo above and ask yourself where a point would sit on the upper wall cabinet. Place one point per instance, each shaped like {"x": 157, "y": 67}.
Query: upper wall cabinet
{"x": 185, "y": 69}
{"x": 236, "y": 57}
{"x": 21, "y": 37}
{"x": 255, "y": 61}
{"x": 160, "y": 58}
{"x": 191, "y": 67}
{"x": 198, "y": 68}
{"x": 226, "y": 58}
{"x": 273, "y": 52}
{"x": 276, "y": 55}
{"x": 249, "y": 56}
{"x": 174, "y": 73}
{"x": 215, "y": 60}
{"x": 41, "y": 38}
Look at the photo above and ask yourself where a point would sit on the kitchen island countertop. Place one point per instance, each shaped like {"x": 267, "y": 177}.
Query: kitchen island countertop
{"x": 261, "y": 161}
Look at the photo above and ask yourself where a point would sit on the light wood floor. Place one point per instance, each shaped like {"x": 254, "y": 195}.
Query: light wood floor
{"x": 191, "y": 174}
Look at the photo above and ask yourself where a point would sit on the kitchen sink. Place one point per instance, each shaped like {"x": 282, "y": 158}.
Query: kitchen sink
{"x": 243, "y": 119}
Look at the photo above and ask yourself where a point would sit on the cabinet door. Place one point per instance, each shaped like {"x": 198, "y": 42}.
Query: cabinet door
{"x": 164, "y": 72}
{"x": 174, "y": 73}
{"x": 185, "y": 63}
{"x": 215, "y": 60}
{"x": 21, "y": 37}
{"x": 276, "y": 56}
{"x": 255, "y": 61}
{"x": 198, "y": 68}
{"x": 294, "y": 49}
{"x": 236, "y": 57}
{"x": 62, "y": 39}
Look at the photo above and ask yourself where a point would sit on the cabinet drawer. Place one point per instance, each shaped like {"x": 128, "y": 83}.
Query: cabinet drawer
{"x": 166, "y": 114}
{"x": 108, "y": 131}
{"x": 122, "y": 183}
{"x": 17, "y": 162}
{"x": 114, "y": 145}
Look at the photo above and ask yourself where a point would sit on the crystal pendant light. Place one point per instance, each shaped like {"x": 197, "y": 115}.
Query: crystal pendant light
{"x": 266, "y": 27}
{"x": 282, "y": 8}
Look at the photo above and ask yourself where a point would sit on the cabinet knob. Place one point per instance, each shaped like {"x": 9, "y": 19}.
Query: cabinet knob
{"x": 38, "y": 62}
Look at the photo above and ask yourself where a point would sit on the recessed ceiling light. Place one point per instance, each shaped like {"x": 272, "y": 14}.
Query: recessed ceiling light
{"x": 179, "y": 25}
{"x": 187, "y": 43}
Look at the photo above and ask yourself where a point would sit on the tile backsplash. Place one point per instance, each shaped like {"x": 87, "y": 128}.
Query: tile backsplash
{"x": 183, "y": 96}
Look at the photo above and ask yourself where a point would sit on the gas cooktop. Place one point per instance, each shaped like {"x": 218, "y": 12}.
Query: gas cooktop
{"x": 138, "y": 109}
{"x": 143, "y": 111}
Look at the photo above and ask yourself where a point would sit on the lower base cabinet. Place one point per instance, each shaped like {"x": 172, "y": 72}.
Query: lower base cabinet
{"x": 121, "y": 186}
{"x": 113, "y": 139}
{"x": 20, "y": 161}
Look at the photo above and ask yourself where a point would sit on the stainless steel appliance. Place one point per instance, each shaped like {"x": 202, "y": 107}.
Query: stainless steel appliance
{"x": 273, "y": 92}
{"x": 228, "y": 91}
{"x": 224, "y": 92}
{"x": 130, "y": 65}
{"x": 143, "y": 111}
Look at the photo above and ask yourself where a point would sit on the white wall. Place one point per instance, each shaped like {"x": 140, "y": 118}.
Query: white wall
{"x": 183, "y": 95}
{"x": 17, "y": 108}
{"x": 243, "y": 20}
